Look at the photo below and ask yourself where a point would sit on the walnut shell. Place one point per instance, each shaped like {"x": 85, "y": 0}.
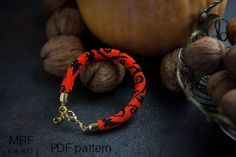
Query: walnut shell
{"x": 231, "y": 30}
{"x": 102, "y": 76}
{"x": 58, "y": 53}
{"x": 230, "y": 62}
{"x": 219, "y": 84}
{"x": 228, "y": 105}
{"x": 52, "y": 5}
{"x": 168, "y": 71}
{"x": 66, "y": 21}
{"x": 204, "y": 56}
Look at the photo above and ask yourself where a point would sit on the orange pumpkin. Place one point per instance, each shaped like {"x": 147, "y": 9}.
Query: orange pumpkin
{"x": 147, "y": 27}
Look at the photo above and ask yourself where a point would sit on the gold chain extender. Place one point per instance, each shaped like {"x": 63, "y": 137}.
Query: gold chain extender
{"x": 65, "y": 113}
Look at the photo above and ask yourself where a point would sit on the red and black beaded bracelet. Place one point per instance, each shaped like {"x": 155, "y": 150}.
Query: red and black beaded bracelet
{"x": 122, "y": 116}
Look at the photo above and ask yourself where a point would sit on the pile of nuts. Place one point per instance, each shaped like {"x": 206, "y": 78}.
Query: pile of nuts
{"x": 208, "y": 56}
{"x": 65, "y": 30}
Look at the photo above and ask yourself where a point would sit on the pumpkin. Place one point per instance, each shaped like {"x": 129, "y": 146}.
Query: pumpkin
{"x": 147, "y": 27}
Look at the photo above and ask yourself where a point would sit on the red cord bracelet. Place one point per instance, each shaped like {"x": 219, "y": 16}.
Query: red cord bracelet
{"x": 118, "y": 118}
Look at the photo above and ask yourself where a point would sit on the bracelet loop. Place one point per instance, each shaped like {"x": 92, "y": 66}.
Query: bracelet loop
{"x": 120, "y": 117}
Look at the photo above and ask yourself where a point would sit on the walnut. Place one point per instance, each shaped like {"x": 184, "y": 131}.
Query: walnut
{"x": 230, "y": 62}
{"x": 58, "y": 53}
{"x": 204, "y": 56}
{"x": 66, "y": 21}
{"x": 168, "y": 71}
{"x": 231, "y": 30}
{"x": 102, "y": 76}
{"x": 227, "y": 106}
{"x": 219, "y": 84}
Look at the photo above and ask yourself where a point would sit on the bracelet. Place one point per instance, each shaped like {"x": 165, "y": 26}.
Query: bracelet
{"x": 117, "y": 119}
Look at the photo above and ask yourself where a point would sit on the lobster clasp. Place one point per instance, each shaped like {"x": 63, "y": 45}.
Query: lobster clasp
{"x": 65, "y": 113}
{"x": 71, "y": 116}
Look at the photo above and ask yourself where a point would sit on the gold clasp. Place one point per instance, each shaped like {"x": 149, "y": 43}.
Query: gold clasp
{"x": 57, "y": 120}
{"x": 62, "y": 109}
{"x": 63, "y": 112}
{"x": 71, "y": 116}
